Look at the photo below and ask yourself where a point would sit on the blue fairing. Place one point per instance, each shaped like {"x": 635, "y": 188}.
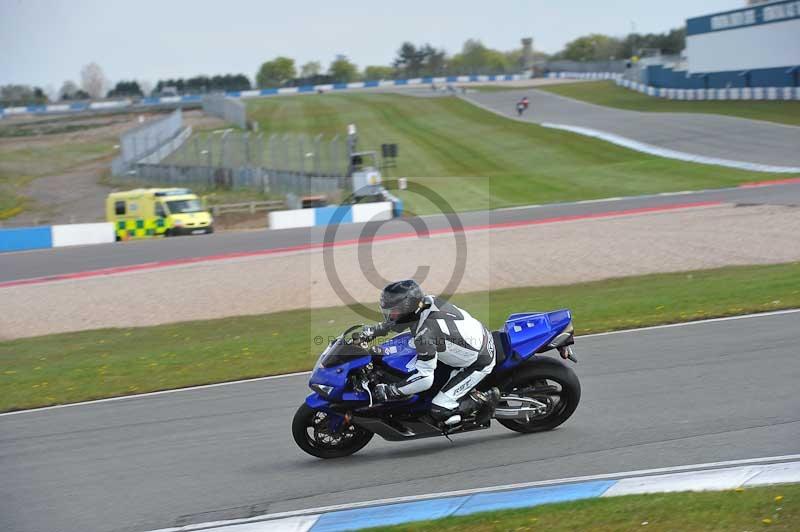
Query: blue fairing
{"x": 337, "y": 376}
{"x": 399, "y": 353}
{"x": 527, "y": 332}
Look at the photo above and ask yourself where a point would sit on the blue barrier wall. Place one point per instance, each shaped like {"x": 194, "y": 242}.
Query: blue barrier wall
{"x": 324, "y": 215}
{"x": 20, "y": 239}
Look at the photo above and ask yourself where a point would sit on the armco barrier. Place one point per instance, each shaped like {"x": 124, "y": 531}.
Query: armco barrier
{"x": 26, "y": 238}
{"x": 321, "y": 216}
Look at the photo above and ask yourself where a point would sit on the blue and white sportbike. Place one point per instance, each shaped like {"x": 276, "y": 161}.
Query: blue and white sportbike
{"x": 538, "y": 392}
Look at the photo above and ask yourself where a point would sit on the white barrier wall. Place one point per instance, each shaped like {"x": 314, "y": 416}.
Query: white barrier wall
{"x": 322, "y": 216}
{"x": 293, "y": 218}
{"x": 373, "y": 212}
{"x": 82, "y": 234}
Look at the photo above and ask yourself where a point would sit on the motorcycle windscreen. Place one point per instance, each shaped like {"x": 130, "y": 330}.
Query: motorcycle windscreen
{"x": 527, "y": 332}
{"x": 340, "y": 353}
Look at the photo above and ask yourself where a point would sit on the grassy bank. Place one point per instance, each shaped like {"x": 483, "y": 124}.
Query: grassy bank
{"x": 491, "y": 161}
{"x": 763, "y": 508}
{"x": 609, "y": 94}
{"x": 103, "y": 363}
{"x": 20, "y": 164}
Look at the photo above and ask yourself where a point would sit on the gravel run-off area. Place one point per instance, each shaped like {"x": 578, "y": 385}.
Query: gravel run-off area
{"x": 535, "y": 255}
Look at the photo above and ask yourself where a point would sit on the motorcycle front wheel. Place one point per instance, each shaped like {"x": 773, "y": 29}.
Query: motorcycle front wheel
{"x": 312, "y": 432}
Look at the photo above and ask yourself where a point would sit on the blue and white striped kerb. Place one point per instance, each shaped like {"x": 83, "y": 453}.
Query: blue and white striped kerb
{"x": 723, "y": 476}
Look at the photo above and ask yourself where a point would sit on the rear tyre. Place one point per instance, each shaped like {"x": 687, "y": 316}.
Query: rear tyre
{"x": 553, "y": 384}
{"x": 312, "y": 433}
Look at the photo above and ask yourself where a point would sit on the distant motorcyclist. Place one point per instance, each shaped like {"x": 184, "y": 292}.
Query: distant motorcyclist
{"x": 443, "y": 334}
{"x": 522, "y": 105}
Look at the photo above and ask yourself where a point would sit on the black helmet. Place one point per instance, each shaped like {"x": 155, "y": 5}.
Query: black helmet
{"x": 400, "y": 301}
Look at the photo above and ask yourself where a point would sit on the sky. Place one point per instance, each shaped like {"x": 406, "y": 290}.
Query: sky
{"x": 45, "y": 42}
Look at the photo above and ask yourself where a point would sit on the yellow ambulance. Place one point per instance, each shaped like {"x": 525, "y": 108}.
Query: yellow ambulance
{"x": 155, "y": 212}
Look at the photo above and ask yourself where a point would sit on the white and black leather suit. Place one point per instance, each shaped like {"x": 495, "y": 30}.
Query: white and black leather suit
{"x": 445, "y": 334}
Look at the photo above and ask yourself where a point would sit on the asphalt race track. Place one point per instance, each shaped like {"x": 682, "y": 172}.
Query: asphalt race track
{"x": 709, "y": 135}
{"x": 49, "y": 262}
{"x": 703, "y": 392}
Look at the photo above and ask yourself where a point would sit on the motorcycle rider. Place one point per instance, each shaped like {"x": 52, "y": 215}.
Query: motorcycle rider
{"x": 522, "y": 105}
{"x": 443, "y": 333}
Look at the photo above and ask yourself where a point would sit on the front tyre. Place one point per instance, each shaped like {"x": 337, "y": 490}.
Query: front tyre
{"x": 554, "y": 385}
{"x": 313, "y": 432}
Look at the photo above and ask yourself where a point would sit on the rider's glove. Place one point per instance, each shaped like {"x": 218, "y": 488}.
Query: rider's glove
{"x": 370, "y": 332}
{"x": 386, "y": 392}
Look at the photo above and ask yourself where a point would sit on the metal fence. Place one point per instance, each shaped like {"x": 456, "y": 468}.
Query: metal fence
{"x": 286, "y": 153}
{"x": 228, "y": 109}
{"x": 261, "y": 179}
{"x": 586, "y": 66}
{"x": 147, "y": 139}
{"x": 230, "y": 159}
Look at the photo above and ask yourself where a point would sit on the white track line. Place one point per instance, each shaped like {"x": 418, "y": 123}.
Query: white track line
{"x": 651, "y": 149}
{"x": 472, "y": 491}
{"x": 641, "y": 146}
{"x": 299, "y": 373}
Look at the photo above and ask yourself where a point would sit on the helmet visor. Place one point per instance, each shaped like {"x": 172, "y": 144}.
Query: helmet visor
{"x": 392, "y": 313}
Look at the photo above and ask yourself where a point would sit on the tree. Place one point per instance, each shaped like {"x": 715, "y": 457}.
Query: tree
{"x": 668, "y": 43}
{"x": 342, "y": 70}
{"x": 310, "y": 69}
{"x": 409, "y": 60}
{"x": 68, "y": 90}
{"x": 147, "y": 87}
{"x": 425, "y": 60}
{"x": 378, "y": 72}
{"x": 13, "y": 95}
{"x": 594, "y": 47}
{"x": 475, "y": 58}
{"x": 276, "y": 73}
{"x": 125, "y": 88}
{"x": 93, "y": 81}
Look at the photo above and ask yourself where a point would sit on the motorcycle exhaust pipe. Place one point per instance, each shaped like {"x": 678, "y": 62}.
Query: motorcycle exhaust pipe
{"x": 517, "y": 413}
{"x": 529, "y": 406}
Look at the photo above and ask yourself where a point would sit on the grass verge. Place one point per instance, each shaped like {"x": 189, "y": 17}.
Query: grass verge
{"x": 19, "y": 165}
{"x": 607, "y": 93}
{"x": 79, "y": 366}
{"x": 490, "y": 161}
{"x": 762, "y": 508}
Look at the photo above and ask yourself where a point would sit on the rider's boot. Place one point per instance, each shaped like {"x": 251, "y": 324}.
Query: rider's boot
{"x": 482, "y": 404}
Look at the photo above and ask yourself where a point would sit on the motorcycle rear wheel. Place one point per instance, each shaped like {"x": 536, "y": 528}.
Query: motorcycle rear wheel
{"x": 545, "y": 383}
{"x": 311, "y": 432}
